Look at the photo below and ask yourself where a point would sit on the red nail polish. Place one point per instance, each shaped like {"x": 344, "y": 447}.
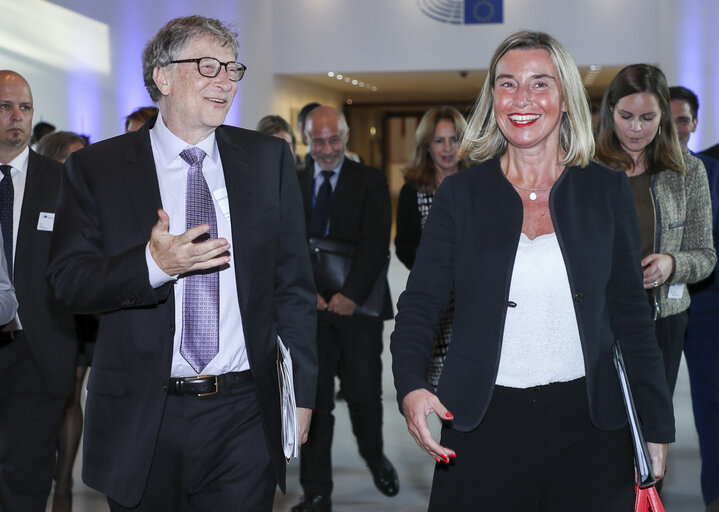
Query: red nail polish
{"x": 448, "y": 415}
{"x": 453, "y": 455}
{"x": 445, "y": 459}
{"x": 437, "y": 459}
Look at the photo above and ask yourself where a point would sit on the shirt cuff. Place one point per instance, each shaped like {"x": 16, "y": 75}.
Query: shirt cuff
{"x": 156, "y": 275}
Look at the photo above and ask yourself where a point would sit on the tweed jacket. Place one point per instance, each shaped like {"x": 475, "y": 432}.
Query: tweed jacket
{"x": 683, "y": 221}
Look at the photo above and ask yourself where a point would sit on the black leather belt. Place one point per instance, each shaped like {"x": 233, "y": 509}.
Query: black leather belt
{"x": 207, "y": 385}
{"x": 7, "y": 337}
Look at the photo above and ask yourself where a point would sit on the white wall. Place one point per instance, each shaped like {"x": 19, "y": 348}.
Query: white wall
{"x": 282, "y": 37}
{"x": 394, "y": 35}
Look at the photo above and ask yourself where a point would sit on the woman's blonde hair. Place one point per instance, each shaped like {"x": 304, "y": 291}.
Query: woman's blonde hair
{"x": 484, "y": 140}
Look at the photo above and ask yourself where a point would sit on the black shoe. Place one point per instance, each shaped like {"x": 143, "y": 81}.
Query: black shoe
{"x": 385, "y": 477}
{"x": 313, "y": 504}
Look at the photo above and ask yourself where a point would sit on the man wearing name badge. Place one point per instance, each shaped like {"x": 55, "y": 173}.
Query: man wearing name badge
{"x": 38, "y": 347}
{"x": 186, "y": 237}
{"x": 346, "y": 202}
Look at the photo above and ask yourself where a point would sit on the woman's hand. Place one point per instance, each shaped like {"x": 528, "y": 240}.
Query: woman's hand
{"x": 657, "y": 269}
{"x": 417, "y": 405}
{"x": 658, "y": 455}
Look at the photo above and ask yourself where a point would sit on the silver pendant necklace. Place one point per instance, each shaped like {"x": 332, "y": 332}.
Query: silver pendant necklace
{"x": 532, "y": 191}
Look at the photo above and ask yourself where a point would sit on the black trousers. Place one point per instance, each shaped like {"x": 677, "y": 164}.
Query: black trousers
{"x": 211, "y": 454}
{"x": 351, "y": 347}
{"x": 671, "y": 332}
{"x": 536, "y": 450}
{"x": 29, "y": 425}
{"x": 702, "y": 352}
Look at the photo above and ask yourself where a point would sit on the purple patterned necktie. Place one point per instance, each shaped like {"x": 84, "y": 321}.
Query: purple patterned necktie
{"x": 7, "y": 194}
{"x": 201, "y": 295}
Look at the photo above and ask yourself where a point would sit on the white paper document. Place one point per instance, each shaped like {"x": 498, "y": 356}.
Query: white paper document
{"x": 288, "y": 406}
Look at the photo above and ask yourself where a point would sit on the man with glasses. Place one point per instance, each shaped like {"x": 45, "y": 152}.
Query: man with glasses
{"x": 186, "y": 237}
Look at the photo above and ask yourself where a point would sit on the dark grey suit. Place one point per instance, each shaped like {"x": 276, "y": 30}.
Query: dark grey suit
{"x": 107, "y": 209}
{"x": 38, "y": 367}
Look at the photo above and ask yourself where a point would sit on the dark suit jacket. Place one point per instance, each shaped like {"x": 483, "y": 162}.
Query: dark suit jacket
{"x": 49, "y": 327}
{"x": 712, "y": 152}
{"x": 362, "y": 215}
{"x": 106, "y": 211}
{"x": 471, "y": 237}
{"x": 409, "y": 225}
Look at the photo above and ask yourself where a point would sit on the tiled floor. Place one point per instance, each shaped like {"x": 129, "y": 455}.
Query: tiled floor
{"x": 354, "y": 490}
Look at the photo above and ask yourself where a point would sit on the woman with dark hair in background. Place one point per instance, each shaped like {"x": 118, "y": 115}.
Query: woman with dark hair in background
{"x": 277, "y": 127}
{"x": 435, "y": 157}
{"x": 636, "y": 134}
{"x": 134, "y": 121}
{"x": 541, "y": 246}
{"x": 59, "y": 146}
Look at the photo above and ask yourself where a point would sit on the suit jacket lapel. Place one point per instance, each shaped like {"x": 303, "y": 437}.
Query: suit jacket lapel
{"x": 32, "y": 199}
{"x": 140, "y": 177}
{"x": 238, "y": 174}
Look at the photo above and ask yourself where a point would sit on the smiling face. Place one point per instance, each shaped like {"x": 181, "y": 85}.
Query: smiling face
{"x": 16, "y": 111}
{"x": 636, "y": 121}
{"x": 328, "y": 141}
{"x": 443, "y": 147}
{"x": 193, "y": 105}
{"x": 528, "y": 101}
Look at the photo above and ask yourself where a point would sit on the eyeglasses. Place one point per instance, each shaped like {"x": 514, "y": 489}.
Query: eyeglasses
{"x": 210, "y": 67}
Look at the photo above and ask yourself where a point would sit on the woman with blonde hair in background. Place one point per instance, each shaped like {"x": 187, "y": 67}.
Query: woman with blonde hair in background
{"x": 435, "y": 157}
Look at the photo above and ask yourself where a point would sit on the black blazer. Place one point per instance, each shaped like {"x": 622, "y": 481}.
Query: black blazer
{"x": 106, "y": 211}
{"x": 49, "y": 327}
{"x": 362, "y": 215}
{"x": 471, "y": 237}
{"x": 409, "y": 225}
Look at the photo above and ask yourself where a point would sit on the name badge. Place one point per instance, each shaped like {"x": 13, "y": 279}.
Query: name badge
{"x": 46, "y": 221}
{"x": 223, "y": 202}
{"x": 676, "y": 291}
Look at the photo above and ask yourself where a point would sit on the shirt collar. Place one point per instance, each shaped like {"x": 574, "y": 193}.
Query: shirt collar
{"x": 318, "y": 169}
{"x": 19, "y": 163}
{"x": 169, "y": 146}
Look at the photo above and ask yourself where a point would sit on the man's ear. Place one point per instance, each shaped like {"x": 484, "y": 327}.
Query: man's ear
{"x": 162, "y": 79}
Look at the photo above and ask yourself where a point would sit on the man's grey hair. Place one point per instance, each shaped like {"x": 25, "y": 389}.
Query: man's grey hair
{"x": 169, "y": 42}
{"x": 342, "y": 121}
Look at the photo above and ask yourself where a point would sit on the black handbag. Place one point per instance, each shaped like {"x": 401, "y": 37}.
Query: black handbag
{"x": 331, "y": 264}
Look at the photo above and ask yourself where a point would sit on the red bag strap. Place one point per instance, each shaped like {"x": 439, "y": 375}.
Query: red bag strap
{"x": 647, "y": 500}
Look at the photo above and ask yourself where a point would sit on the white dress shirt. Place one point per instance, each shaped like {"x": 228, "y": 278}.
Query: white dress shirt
{"x": 172, "y": 178}
{"x": 19, "y": 178}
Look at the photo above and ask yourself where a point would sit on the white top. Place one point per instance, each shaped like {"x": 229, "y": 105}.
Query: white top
{"x": 541, "y": 341}
{"x": 172, "y": 179}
